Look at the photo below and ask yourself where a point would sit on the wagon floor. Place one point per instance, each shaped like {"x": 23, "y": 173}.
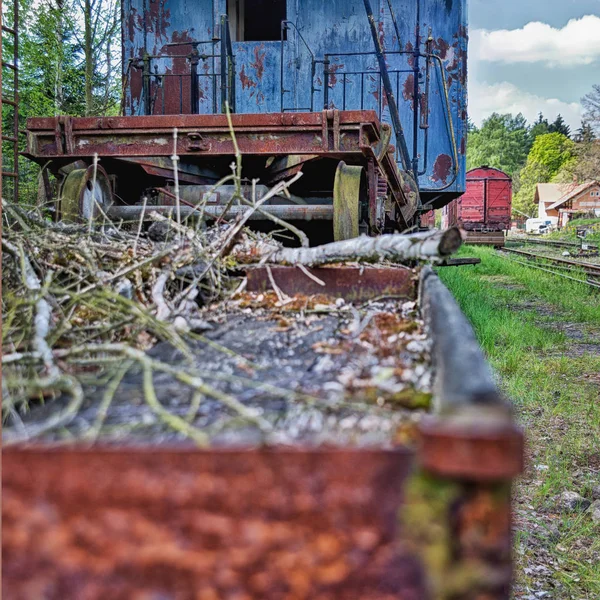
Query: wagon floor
{"x": 314, "y": 372}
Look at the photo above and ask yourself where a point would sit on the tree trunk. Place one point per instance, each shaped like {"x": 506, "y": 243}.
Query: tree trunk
{"x": 89, "y": 58}
{"x": 58, "y": 78}
{"x": 431, "y": 246}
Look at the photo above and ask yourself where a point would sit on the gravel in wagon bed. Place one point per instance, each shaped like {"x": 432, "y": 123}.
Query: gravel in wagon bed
{"x": 317, "y": 371}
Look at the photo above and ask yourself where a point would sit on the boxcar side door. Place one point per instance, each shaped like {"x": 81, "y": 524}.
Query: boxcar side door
{"x": 498, "y": 202}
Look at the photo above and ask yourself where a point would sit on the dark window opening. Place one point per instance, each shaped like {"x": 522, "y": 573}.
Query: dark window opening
{"x": 256, "y": 20}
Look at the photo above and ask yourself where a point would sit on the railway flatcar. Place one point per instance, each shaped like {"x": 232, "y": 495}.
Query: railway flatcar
{"x": 483, "y": 212}
{"x": 366, "y": 98}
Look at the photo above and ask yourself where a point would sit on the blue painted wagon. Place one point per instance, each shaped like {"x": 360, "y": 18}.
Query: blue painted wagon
{"x": 366, "y": 97}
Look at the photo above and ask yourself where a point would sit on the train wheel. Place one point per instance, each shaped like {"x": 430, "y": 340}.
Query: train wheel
{"x": 349, "y": 189}
{"x": 85, "y": 194}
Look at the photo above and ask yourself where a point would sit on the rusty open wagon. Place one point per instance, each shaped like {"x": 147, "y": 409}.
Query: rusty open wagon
{"x": 418, "y": 510}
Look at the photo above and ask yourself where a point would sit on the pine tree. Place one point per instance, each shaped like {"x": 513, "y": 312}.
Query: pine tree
{"x": 540, "y": 127}
{"x": 559, "y": 126}
{"x": 585, "y": 134}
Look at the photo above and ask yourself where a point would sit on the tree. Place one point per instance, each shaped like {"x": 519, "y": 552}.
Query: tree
{"x": 51, "y": 76}
{"x": 56, "y": 71}
{"x": 540, "y": 127}
{"x": 559, "y": 126}
{"x": 550, "y": 155}
{"x": 552, "y": 151}
{"x": 591, "y": 105}
{"x": 585, "y": 134}
{"x": 501, "y": 142}
{"x": 99, "y": 44}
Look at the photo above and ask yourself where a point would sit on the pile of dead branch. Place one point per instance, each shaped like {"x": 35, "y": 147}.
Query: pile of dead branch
{"x": 81, "y": 303}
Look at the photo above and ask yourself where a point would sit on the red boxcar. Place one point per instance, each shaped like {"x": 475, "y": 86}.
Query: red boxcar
{"x": 428, "y": 219}
{"x": 484, "y": 209}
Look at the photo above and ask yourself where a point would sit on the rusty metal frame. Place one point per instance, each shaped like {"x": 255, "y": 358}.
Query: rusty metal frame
{"x": 471, "y": 434}
{"x": 348, "y": 135}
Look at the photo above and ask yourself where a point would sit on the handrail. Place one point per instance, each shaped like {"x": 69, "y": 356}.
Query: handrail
{"x": 394, "y": 114}
{"x": 151, "y": 78}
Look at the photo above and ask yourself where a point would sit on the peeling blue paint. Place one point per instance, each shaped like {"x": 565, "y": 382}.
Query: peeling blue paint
{"x": 333, "y": 28}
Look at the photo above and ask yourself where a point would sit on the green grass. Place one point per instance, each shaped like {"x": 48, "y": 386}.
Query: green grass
{"x": 513, "y": 309}
{"x": 569, "y": 233}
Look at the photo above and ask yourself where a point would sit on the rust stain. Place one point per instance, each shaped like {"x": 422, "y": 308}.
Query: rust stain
{"x": 411, "y": 59}
{"x": 259, "y": 61}
{"x": 158, "y": 21}
{"x": 441, "y": 168}
{"x": 442, "y": 46}
{"x": 333, "y": 69}
{"x": 408, "y": 90}
{"x": 247, "y": 83}
{"x": 463, "y": 146}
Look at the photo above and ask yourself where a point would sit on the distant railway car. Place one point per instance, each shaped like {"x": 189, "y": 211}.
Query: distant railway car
{"x": 484, "y": 210}
{"x": 428, "y": 219}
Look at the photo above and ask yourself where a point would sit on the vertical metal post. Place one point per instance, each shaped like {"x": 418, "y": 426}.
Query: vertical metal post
{"x": 326, "y": 83}
{"x": 146, "y": 83}
{"x": 224, "y": 78}
{"x": 194, "y": 58}
{"x": 313, "y": 69}
{"x": 214, "y": 69}
{"x": 425, "y": 112}
{"x": 416, "y": 92}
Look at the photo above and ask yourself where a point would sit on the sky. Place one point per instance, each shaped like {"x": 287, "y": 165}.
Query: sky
{"x": 532, "y": 55}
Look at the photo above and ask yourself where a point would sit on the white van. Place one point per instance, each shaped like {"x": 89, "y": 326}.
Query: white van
{"x": 541, "y": 225}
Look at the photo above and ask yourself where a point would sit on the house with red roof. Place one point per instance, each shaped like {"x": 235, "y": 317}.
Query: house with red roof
{"x": 562, "y": 200}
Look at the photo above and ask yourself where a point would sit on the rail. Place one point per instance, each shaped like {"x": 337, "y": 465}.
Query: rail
{"x": 557, "y": 243}
{"x": 560, "y": 267}
{"x": 394, "y": 76}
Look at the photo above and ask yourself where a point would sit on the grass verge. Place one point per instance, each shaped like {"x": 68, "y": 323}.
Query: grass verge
{"x": 542, "y": 337}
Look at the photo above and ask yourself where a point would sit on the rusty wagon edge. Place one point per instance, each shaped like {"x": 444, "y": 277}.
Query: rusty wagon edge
{"x": 318, "y": 523}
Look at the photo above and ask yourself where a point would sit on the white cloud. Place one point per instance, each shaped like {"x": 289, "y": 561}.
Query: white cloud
{"x": 505, "y": 97}
{"x": 577, "y": 43}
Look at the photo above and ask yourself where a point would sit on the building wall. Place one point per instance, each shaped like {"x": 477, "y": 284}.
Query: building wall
{"x": 588, "y": 201}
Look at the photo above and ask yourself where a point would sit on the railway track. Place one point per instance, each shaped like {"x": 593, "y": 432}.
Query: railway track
{"x": 555, "y": 243}
{"x": 561, "y": 267}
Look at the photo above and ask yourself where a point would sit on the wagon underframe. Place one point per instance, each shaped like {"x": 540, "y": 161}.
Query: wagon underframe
{"x": 274, "y": 147}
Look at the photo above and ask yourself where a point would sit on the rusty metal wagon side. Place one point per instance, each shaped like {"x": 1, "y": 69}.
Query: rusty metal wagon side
{"x": 424, "y": 521}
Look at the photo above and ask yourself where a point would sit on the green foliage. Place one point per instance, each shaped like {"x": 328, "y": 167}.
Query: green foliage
{"x": 52, "y": 63}
{"x": 552, "y": 151}
{"x": 540, "y": 127}
{"x": 549, "y": 154}
{"x": 52, "y": 75}
{"x": 559, "y": 126}
{"x": 502, "y": 142}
